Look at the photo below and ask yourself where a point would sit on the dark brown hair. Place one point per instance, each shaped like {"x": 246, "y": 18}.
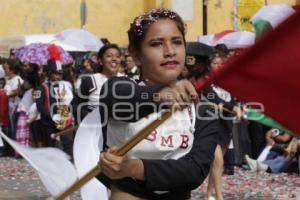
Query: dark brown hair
{"x": 140, "y": 25}
{"x": 105, "y": 48}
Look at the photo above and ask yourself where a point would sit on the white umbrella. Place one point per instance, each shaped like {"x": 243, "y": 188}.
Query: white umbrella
{"x": 212, "y": 40}
{"x": 79, "y": 38}
{"x": 232, "y": 39}
{"x": 238, "y": 40}
{"x": 208, "y": 40}
{"x": 274, "y": 14}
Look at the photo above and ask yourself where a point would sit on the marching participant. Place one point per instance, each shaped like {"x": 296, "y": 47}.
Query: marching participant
{"x": 110, "y": 59}
{"x": 175, "y": 158}
{"x": 53, "y": 100}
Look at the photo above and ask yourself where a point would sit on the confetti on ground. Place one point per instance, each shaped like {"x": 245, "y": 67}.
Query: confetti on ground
{"x": 19, "y": 181}
{"x": 259, "y": 186}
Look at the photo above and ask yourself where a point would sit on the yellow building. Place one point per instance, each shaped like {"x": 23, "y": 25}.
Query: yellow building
{"x": 110, "y": 18}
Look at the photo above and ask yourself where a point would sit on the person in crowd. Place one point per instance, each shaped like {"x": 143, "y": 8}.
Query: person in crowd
{"x": 185, "y": 73}
{"x": 94, "y": 62}
{"x": 12, "y": 88}
{"x": 23, "y": 135}
{"x": 88, "y": 67}
{"x": 2, "y": 72}
{"x": 175, "y": 158}
{"x": 33, "y": 121}
{"x": 4, "y": 119}
{"x": 132, "y": 70}
{"x": 276, "y": 161}
{"x": 275, "y": 140}
{"x": 201, "y": 59}
{"x": 53, "y": 99}
{"x": 109, "y": 57}
{"x": 219, "y": 97}
{"x": 197, "y": 59}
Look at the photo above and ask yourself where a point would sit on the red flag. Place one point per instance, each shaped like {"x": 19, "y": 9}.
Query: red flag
{"x": 269, "y": 73}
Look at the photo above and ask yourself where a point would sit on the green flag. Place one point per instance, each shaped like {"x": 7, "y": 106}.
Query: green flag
{"x": 254, "y": 115}
{"x": 261, "y": 27}
{"x": 270, "y": 16}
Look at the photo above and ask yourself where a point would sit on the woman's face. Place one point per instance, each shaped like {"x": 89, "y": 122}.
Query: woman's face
{"x": 216, "y": 63}
{"x": 162, "y": 52}
{"x": 56, "y": 76}
{"x": 111, "y": 61}
{"x": 7, "y": 70}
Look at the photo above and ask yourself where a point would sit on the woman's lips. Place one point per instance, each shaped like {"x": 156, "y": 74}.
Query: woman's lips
{"x": 170, "y": 64}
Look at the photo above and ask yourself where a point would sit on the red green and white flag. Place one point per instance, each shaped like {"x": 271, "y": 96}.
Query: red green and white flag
{"x": 232, "y": 39}
{"x": 269, "y": 17}
{"x": 267, "y": 73}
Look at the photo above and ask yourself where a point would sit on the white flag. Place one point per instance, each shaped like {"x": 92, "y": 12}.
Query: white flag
{"x": 57, "y": 173}
{"x": 86, "y": 150}
{"x": 1, "y": 142}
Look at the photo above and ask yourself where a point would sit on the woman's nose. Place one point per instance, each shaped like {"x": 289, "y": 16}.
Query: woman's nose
{"x": 169, "y": 50}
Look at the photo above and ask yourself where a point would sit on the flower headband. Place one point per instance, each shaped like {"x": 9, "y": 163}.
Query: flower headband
{"x": 151, "y": 17}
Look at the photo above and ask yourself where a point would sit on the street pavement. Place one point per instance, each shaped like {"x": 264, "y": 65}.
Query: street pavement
{"x": 19, "y": 181}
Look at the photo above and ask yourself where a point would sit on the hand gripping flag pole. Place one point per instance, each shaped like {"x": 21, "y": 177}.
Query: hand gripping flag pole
{"x": 120, "y": 152}
{"x": 64, "y": 132}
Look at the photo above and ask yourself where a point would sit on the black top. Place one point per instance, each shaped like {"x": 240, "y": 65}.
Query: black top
{"x": 87, "y": 86}
{"x": 178, "y": 177}
{"x": 225, "y": 133}
{"x": 40, "y": 100}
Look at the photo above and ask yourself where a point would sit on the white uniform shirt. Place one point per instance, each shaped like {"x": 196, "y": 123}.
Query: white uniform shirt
{"x": 172, "y": 139}
{"x": 11, "y": 85}
{"x": 222, "y": 94}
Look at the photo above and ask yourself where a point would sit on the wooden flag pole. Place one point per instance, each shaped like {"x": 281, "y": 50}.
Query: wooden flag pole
{"x": 225, "y": 109}
{"x": 64, "y": 132}
{"x": 120, "y": 152}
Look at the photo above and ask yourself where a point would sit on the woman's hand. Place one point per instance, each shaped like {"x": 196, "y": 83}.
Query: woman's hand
{"x": 239, "y": 112}
{"x": 178, "y": 95}
{"x": 117, "y": 167}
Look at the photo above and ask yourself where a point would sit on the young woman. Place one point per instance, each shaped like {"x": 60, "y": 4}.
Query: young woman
{"x": 222, "y": 99}
{"x": 175, "y": 158}
{"x": 109, "y": 57}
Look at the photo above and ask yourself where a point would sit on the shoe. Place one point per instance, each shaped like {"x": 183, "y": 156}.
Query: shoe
{"x": 262, "y": 167}
{"x": 251, "y": 163}
{"x": 211, "y": 198}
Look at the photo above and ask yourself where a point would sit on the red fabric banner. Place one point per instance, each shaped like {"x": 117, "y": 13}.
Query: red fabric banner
{"x": 268, "y": 73}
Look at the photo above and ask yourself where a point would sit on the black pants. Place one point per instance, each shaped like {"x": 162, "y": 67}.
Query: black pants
{"x": 66, "y": 141}
{"x": 257, "y": 135}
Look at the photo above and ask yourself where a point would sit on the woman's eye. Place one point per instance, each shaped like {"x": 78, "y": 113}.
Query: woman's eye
{"x": 178, "y": 42}
{"x": 156, "y": 44}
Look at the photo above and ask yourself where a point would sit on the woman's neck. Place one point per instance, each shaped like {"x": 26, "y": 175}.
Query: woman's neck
{"x": 108, "y": 74}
